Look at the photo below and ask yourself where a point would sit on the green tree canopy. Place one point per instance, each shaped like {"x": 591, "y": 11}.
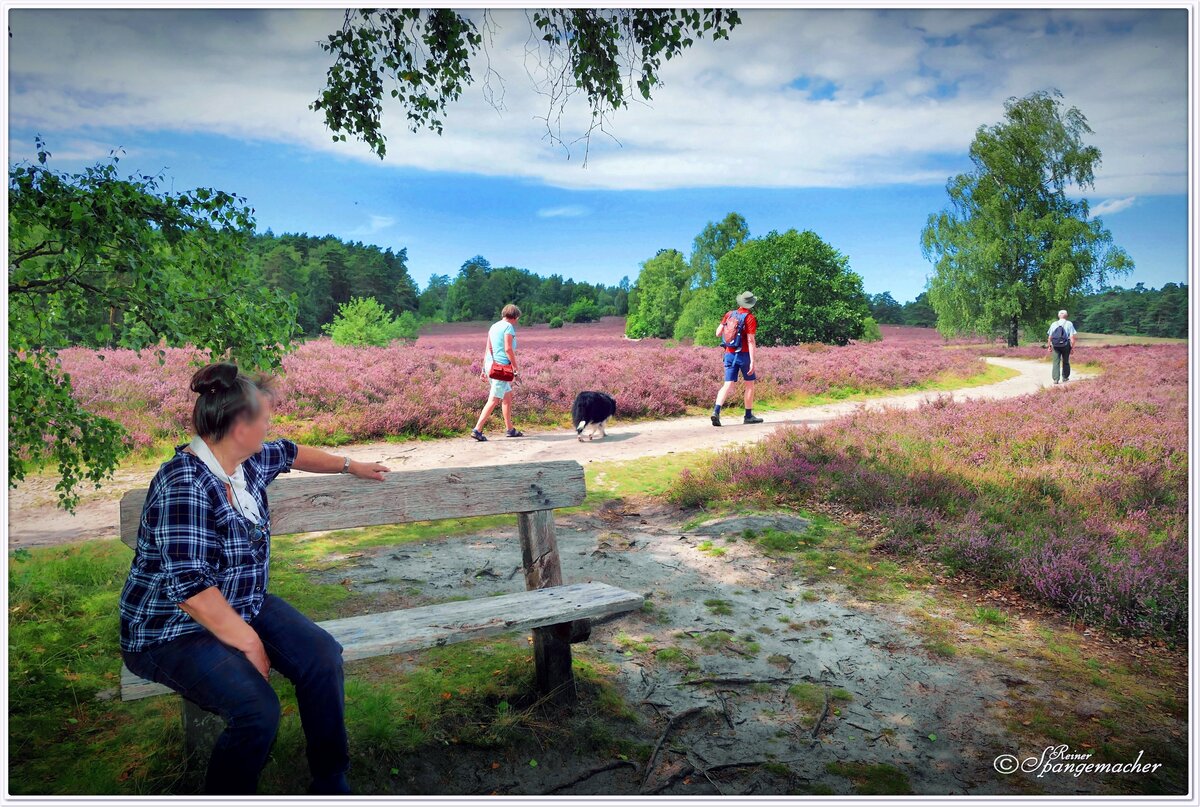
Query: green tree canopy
{"x": 919, "y": 312}
{"x": 1012, "y": 248}
{"x": 696, "y": 319}
{"x": 1137, "y": 312}
{"x": 130, "y": 266}
{"x": 805, "y": 289}
{"x": 324, "y": 271}
{"x": 655, "y": 300}
{"x": 425, "y": 55}
{"x": 480, "y": 290}
{"x": 712, "y": 242}
{"x": 885, "y": 309}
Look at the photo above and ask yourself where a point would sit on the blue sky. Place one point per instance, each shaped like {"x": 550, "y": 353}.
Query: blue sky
{"x": 846, "y": 122}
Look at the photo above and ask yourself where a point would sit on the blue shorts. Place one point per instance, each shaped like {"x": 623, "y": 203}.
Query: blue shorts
{"x": 499, "y": 388}
{"x": 735, "y": 362}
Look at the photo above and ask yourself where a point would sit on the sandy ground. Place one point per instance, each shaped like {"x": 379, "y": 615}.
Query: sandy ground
{"x": 938, "y": 720}
{"x": 35, "y": 520}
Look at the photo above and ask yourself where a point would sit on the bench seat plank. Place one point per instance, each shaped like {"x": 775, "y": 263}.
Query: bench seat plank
{"x": 380, "y": 634}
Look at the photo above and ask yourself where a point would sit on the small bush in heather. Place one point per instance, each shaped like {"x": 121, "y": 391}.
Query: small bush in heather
{"x": 556, "y": 322}
{"x": 871, "y": 331}
{"x": 364, "y": 322}
{"x": 408, "y": 326}
{"x": 582, "y": 310}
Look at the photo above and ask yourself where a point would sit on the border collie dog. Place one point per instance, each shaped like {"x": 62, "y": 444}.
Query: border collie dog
{"x": 592, "y": 409}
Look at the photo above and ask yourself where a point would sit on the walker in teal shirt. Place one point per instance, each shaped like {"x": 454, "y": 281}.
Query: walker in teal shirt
{"x": 496, "y": 339}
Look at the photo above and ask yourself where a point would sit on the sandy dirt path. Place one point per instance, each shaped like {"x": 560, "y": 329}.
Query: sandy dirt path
{"x": 34, "y": 520}
{"x": 940, "y": 720}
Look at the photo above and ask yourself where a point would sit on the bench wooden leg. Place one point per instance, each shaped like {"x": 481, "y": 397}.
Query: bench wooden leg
{"x": 200, "y": 732}
{"x": 552, "y": 671}
{"x": 552, "y": 644}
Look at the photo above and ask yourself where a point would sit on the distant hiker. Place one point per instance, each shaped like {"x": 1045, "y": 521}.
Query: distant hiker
{"x": 1061, "y": 338}
{"x": 737, "y": 337}
{"x": 500, "y": 367}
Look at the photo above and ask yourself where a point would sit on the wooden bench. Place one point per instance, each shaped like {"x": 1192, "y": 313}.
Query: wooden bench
{"x": 557, "y": 614}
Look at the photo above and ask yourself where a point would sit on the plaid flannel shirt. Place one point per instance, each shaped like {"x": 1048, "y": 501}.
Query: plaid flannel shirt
{"x": 190, "y": 538}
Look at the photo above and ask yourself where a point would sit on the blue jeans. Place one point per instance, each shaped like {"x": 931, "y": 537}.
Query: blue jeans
{"x": 222, "y": 680}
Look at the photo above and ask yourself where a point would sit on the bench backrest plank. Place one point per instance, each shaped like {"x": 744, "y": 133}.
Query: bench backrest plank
{"x": 338, "y": 502}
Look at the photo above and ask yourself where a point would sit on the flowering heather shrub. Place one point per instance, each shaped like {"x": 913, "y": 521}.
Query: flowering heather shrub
{"x": 432, "y": 387}
{"x": 929, "y": 336}
{"x": 1075, "y": 495}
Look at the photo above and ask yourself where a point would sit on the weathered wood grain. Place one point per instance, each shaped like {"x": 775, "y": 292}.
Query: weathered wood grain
{"x": 341, "y": 501}
{"x": 553, "y": 675}
{"x": 408, "y": 629}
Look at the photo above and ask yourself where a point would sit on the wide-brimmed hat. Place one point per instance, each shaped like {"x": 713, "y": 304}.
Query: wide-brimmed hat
{"x": 747, "y": 299}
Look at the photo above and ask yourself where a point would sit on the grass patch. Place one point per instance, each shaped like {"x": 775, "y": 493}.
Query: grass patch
{"x": 723, "y": 642}
{"x": 829, "y": 550}
{"x": 990, "y": 616}
{"x": 774, "y": 541}
{"x": 719, "y": 607}
{"x": 631, "y": 644}
{"x": 810, "y": 699}
{"x": 64, "y": 650}
{"x": 674, "y": 656}
{"x": 636, "y": 478}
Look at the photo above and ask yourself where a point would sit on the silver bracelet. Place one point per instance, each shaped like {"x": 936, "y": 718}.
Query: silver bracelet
{"x": 345, "y": 465}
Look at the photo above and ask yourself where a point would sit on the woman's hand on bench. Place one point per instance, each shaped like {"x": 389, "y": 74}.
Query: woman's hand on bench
{"x": 367, "y": 470}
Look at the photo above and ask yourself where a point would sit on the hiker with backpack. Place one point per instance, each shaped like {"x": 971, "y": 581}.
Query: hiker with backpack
{"x": 1060, "y": 339}
{"x": 737, "y": 337}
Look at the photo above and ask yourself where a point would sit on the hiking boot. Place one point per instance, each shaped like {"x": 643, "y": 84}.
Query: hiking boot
{"x": 716, "y": 419}
{"x": 1056, "y": 382}
{"x": 514, "y": 433}
{"x": 478, "y": 435}
{"x": 752, "y": 419}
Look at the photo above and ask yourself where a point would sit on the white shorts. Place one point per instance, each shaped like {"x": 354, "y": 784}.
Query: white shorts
{"x": 500, "y": 388}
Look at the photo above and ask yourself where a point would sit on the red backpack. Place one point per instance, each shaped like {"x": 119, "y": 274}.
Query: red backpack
{"x": 731, "y": 329}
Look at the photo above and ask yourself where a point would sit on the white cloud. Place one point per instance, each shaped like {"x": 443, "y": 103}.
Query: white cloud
{"x": 1110, "y": 206}
{"x": 74, "y": 149}
{"x": 374, "y": 225}
{"x": 724, "y": 116}
{"x": 566, "y": 211}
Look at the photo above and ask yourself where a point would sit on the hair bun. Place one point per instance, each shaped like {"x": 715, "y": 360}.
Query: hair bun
{"x": 215, "y": 378}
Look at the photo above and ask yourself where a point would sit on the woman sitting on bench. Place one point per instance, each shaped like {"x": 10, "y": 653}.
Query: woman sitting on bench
{"x": 195, "y": 612}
